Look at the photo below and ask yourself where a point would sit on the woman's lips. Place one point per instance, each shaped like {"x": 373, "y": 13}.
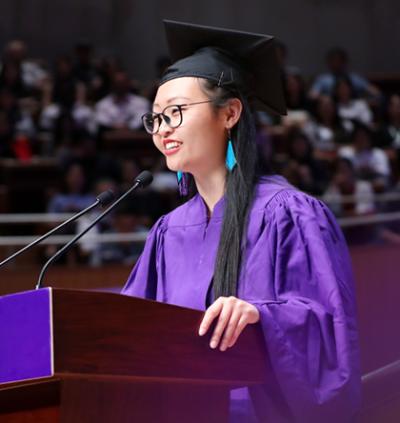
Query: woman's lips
{"x": 171, "y": 146}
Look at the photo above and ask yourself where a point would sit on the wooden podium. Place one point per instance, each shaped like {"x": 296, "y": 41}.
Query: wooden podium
{"x": 80, "y": 356}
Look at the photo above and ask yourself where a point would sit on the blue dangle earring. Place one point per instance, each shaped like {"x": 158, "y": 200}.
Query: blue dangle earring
{"x": 182, "y": 183}
{"x": 230, "y": 160}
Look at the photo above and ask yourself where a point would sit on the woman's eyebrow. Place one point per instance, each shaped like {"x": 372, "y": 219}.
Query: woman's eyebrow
{"x": 171, "y": 100}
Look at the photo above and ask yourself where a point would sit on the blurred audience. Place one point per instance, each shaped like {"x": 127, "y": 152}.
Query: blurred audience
{"x": 337, "y": 62}
{"x": 302, "y": 169}
{"x": 345, "y": 184}
{"x": 350, "y": 108}
{"x": 75, "y": 195}
{"x": 30, "y": 72}
{"x": 121, "y": 109}
{"x": 340, "y": 138}
{"x": 371, "y": 163}
{"x": 326, "y": 130}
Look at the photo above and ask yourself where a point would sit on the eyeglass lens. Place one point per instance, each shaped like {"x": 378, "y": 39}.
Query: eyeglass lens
{"x": 171, "y": 115}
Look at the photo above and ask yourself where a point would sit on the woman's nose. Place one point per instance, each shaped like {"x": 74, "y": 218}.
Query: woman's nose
{"x": 164, "y": 129}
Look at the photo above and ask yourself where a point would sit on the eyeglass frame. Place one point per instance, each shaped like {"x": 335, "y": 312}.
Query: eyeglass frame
{"x": 162, "y": 116}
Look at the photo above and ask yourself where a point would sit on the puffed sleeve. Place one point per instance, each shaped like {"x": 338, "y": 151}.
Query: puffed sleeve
{"x": 309, "y": 325}
{"x": 142, "y": 281}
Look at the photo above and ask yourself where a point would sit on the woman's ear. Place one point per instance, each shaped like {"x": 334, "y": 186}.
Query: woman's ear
{"x": 233, "y": 110}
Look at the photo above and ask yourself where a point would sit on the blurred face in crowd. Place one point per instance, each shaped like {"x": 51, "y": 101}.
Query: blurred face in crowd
{"x": 121, "y": 84}
{"x": 343, "y": 91}
{"x": 198, "y": 145}
{"x": 11, "y": 73}
{"x": 5, "y": 126}
{"x": 344, "y": 175}
{"x": 294, "y": 85}
{"x": 394, "y": 108}
{"x": 63, "y": 67}
{"x": 337, "y": 62}
{"x": 129, "y": 171}
{"x": 362, "y": 140}
{"x": 7, "y": 100}
{"x": 16, "y": 51}
{"x": 75, "y": 179}
{"x": 300, "y": 147}
{"x": 326, "y": 110}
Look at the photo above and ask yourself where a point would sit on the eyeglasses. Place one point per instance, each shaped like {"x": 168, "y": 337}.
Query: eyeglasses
{"x": 172, "y": 116}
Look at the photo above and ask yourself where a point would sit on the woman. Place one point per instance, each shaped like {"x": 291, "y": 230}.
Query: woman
{"x": 246, "y": 248}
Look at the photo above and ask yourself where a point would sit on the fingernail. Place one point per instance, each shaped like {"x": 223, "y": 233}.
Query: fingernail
{"x": 213, "y": 344}
{"x": 201, "y": 331}
{"x": 223, "y": 347}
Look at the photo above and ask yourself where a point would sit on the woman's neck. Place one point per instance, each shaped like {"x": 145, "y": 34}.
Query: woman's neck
{"x": 211, "y": 187}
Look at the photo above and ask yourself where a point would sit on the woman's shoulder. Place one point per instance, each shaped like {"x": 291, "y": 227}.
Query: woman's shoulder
{"x": 279, "y": 200}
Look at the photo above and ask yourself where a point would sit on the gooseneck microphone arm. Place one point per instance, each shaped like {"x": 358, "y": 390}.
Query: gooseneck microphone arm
{"x": 103, "y": 199}
{"x": 144, "y": 179}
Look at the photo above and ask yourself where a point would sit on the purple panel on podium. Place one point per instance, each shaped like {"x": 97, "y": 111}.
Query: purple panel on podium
{"x": 25, "y": 336}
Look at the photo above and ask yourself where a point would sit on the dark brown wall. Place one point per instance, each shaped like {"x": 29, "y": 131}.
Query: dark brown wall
{"x": 370, "y": 29}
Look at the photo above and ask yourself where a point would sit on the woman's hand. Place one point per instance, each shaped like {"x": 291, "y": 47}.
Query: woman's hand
{"x": 233, "y": 316}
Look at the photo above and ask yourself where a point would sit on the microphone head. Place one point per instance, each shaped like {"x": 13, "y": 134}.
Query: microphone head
{"x": 144, "y": 179}
{"x": 106, "y": 197}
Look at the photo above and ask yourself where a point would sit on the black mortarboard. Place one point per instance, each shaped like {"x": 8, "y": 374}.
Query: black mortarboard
{"x": 231, "y": 58}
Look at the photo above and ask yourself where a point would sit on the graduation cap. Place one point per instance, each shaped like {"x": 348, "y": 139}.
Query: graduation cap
{"x": 232, "y": 59}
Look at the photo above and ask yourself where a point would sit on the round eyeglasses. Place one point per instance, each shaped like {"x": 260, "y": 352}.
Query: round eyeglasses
{"x": 172, "y": 116}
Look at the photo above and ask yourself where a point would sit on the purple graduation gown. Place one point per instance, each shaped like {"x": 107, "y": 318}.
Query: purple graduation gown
{"x": 296, "y": 271}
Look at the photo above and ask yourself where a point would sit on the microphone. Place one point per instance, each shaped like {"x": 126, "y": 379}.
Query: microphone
{"x": 142, "y": 180}
{"x": 104, "y": 199}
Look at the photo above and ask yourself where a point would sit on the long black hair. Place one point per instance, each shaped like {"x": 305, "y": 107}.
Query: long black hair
{"x": 239, "y": 189}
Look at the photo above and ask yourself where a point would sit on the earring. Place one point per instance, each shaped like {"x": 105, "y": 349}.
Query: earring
{"x": 230, "y": 160}
{"x": 182, "y": 183}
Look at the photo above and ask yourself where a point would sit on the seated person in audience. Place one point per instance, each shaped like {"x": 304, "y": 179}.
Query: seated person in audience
{"x": 350, "y": 108}
{"x": 121, "y": 109}
{"x": 388, "y": 136}
{"x": 18, "y": 129}
{"x": 6, "y": 136}
{"x": 150, "y": 202}
{"x": 296, "y": 101}
{"x": 337, "y": 61}
{"x": 11, "y": 80}
{"x": 326, "y": 129}
{"x": 345, "y": 183}
{"x": 101, "y": 84}
{"x": 88, "y": 245}
{"x": 126, "y": 219}
{"x": 65, "y": 95}
{"x": 84, "y": 70}
{"x": 301, "y": 169}
{"x": 80, "y": 147}
{"x": 370, "y": 163}
{"x": 32, "y": 73}
{"x": 75, "y": 196}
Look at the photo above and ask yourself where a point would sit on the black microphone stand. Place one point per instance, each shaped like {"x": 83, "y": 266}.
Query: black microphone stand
{"x": 140, "y": 180}
{"x": 104, "y": 199}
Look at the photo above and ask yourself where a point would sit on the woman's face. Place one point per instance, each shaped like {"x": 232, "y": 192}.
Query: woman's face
{"x": 198, "y": 145}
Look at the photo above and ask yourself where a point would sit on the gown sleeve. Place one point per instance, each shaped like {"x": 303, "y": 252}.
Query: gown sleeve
{"x": 142, "y": 281}
{"x": 309, "y": 325}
